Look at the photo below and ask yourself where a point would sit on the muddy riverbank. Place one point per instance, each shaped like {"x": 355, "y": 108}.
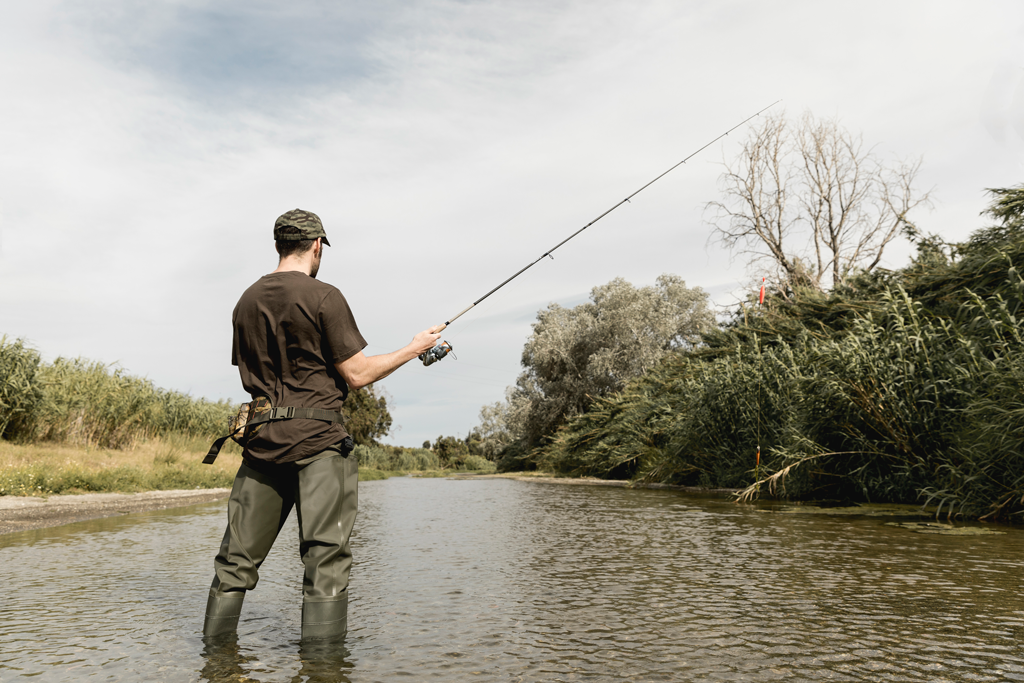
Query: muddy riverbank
{"x": 21, "y": 513}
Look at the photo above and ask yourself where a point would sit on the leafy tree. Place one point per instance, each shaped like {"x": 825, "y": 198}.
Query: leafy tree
{"x": 576, "y": 355}
{"x": 450, "y": 450}
{"x": 366, "y": 415}
{"x": 493, "y": 434}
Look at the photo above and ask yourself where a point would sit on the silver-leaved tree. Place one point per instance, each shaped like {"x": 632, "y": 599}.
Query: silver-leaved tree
{"x": 575, "y": 355}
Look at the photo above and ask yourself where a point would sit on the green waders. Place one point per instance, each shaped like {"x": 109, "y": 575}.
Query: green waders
{"x": 324, "y": 494}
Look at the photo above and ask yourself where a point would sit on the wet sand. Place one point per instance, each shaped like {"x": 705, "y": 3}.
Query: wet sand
{"x": 20, "y": 513}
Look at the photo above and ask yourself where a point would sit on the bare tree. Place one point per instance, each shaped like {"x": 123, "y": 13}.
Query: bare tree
{"x": 808, "y": 197}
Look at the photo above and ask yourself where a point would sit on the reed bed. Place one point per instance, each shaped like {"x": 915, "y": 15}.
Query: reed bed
{"x": 76, "y": 426}
{"x": 84, "y": 403}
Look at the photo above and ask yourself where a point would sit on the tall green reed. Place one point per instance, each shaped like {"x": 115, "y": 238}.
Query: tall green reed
{"x": 81, "y": 402}
{"x": 18, "y": 392}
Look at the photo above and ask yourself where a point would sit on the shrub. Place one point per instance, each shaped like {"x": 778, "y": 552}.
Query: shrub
{"x": 396, "y": 458}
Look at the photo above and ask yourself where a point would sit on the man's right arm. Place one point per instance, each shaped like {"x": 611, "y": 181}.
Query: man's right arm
{"x": 360, "y": 369}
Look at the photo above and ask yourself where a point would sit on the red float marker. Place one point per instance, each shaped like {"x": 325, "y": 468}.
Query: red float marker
{"x": 760, "y": 299}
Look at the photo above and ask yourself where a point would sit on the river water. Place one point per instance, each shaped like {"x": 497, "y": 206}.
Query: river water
{"x": 501, "y": 580}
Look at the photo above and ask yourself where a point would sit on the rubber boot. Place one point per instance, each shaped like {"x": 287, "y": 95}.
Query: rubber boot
{"x": 222, "y": 612}
{"x": 325, "y": 618}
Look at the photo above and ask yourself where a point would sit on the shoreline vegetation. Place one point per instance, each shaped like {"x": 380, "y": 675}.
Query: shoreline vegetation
{"x": 895, "y": 386}
{"x": 174, "y": 462}
{"x": 78, "y": 426}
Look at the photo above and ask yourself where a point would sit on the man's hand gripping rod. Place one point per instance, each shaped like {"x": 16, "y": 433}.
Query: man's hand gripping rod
{"x": 443, "y": 348}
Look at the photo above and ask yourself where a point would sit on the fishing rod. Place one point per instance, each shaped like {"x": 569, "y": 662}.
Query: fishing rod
{"x": 443, "y": 348}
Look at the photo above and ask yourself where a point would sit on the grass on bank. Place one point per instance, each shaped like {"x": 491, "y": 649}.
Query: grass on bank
{"x": 174, "y": 462}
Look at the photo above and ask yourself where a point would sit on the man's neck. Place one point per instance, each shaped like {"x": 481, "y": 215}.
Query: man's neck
{"x": 287, "y": 265}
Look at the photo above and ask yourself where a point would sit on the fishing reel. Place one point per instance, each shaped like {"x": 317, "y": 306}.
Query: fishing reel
{"x": 435, "y": 354}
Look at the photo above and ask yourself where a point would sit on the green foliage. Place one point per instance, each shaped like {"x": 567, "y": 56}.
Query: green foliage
{"x": 1007, "y": 207}
{"x": 453, "y": 454}
{"x": 366, "y": 414}
{"x": 396, "y": 458}
{"x": 38, "y": 480}
{"x": 577, "y": 355}
{"x": 462, "y": 454}
{"x": 690, "y": 421}
{"x": 80, "y": 402}
{"x": 516, "y": 457}
{"x": 85, "y": 403}
{"x": 493, "y": 436}
{"x": 369, "y": 474}
{"x": 450, "y": 451}
{"x": 475, "y": 463}
{"x": 894, "y": 387}
{"x": 18, "y": 390}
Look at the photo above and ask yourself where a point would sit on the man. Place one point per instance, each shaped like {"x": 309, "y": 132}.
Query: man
{"x": 296, "y": 342}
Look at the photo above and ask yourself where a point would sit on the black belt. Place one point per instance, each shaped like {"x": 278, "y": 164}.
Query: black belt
{"x": 279, "y": 413}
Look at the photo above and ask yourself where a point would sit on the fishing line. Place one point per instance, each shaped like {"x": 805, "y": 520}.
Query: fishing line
{"x": 443, "y": 348}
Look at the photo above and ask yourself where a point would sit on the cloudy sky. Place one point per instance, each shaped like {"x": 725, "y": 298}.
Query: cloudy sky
{"x": 146, "y": 149}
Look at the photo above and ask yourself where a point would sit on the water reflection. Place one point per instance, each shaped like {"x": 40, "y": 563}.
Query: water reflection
{"x": 224, "y": 660}
{"x": 319, "y": 662}
{"x": 322, "y": 662}
{"x": 505, "y": 580}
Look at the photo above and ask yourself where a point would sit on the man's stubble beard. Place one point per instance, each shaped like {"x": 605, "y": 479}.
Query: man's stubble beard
{"x": 316, "y": 263}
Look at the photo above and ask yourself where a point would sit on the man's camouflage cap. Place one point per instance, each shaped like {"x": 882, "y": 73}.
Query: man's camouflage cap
{"x": 308, "y": 225}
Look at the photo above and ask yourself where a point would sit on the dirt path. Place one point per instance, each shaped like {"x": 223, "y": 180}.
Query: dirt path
{"x": 19, "y": 513}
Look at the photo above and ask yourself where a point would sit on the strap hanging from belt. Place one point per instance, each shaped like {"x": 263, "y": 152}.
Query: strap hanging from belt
{"x": 279, "y": 413}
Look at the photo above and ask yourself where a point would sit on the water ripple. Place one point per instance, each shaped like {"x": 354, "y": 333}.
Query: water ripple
{"x": 516, "y": 581}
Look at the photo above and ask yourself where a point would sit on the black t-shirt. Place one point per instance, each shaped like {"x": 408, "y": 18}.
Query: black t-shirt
{"x": 289, "y": 331}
